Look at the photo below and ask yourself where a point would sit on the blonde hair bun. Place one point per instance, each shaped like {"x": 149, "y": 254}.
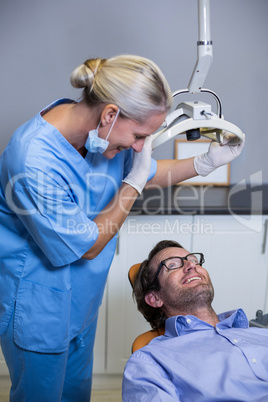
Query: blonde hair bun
{"x": 83, "y": 76}
{"x": 135, "y": 84}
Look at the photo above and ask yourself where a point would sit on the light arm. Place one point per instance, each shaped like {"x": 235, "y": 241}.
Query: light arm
{"x": 204, "y": 48}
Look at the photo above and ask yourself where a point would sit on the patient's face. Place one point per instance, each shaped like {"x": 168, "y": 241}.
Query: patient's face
{"x": 182, "y": 288}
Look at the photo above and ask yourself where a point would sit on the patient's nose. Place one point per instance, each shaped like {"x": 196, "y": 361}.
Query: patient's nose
{"x": 188, "y": 265}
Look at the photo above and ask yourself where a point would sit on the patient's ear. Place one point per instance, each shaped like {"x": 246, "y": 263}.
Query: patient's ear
{"x": 153, "y": 300}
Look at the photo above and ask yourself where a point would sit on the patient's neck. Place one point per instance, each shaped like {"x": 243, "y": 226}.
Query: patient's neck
{"x": 196, "y": 302}
{"x": 206, "y": 314}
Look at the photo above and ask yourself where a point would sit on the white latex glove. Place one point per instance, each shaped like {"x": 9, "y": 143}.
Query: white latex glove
{"x": 140, "y": 170}
{"x": 218, "y": 154}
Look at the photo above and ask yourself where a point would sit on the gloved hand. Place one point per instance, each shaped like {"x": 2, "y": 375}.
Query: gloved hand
{"x": 140, "y": 170}
{"x": 218, "y": 154}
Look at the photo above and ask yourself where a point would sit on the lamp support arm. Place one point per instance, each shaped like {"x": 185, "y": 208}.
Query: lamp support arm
{"x": 204, "y": 48}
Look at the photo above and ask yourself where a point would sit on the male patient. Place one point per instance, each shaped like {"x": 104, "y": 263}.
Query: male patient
{"x": 202, "y": 356}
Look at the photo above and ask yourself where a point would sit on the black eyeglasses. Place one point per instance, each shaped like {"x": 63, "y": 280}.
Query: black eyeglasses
{"x": 178, "y": 262}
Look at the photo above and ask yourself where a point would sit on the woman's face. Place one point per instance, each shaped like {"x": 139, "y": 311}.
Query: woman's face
{"x": 128, "y": 134}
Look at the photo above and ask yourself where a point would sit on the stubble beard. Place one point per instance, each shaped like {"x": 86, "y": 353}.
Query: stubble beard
{"x": 191, "y": 299}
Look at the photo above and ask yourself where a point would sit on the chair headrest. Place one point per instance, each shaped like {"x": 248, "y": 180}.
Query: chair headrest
{"x": 132, "y": 273}
{"x": 145, "y": 338}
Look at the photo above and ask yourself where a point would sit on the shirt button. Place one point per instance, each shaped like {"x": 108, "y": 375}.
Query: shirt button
{"x": 254, "y": 360}
{"x": 235, "y": 340}
{"x": 189, "y": 320}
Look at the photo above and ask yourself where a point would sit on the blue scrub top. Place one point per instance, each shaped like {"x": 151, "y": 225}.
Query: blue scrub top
{"x": 49, "y": 195}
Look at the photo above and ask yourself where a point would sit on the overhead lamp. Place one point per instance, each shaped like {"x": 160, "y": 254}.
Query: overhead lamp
{"x": 195, "y": 118}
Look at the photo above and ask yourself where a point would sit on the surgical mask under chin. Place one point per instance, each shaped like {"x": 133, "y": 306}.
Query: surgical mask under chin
{"x": 96, "y": 144}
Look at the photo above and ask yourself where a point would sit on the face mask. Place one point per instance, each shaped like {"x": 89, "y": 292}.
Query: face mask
{"x": 96, "y": 144}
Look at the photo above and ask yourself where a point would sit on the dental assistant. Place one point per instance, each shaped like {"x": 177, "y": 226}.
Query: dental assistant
{"x": 69, "y": 178}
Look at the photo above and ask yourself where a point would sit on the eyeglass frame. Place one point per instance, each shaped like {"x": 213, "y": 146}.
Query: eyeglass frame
{"x": 162, "y": 264}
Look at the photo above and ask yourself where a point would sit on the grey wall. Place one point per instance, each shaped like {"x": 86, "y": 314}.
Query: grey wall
{"x": 41, "y": 42}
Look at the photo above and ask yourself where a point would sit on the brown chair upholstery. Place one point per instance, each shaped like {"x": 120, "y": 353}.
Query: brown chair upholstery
{"x": 146, "y": 337}
{"x": 133, "y": 272}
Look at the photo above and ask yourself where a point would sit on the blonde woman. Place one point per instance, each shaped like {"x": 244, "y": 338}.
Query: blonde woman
{"x": 69, "y": 178}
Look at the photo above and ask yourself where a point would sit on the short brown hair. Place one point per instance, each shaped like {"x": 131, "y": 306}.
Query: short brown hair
{"x": 143, "y": 284}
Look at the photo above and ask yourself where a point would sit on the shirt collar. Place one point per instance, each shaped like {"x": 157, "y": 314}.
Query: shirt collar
{"x": 180, "y": 325}
{"x": 233, "y": 319}
{"x": 56, "y": 103}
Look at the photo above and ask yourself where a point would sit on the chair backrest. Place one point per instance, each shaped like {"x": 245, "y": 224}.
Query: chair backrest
{"x": 146, "y": 337}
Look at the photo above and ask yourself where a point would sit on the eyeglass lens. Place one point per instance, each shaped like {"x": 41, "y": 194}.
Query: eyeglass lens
{"x": 178, "y": 262}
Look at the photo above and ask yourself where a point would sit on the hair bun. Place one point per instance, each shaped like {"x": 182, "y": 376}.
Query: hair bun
{"x": 83, "y": 75}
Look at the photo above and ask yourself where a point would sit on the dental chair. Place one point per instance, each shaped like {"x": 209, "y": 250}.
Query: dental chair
{"x": 146, "y": 337}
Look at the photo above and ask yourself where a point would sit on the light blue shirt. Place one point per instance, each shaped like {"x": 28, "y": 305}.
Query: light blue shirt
{"x": 49, "y": 196}
{"x": 196, "y": 362}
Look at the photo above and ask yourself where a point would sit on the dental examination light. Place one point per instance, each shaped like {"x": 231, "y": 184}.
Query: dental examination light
{"x": 195, "y": 118}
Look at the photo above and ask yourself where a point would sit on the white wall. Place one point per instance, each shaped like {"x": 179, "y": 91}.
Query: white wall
{"x": 42, "y": 41}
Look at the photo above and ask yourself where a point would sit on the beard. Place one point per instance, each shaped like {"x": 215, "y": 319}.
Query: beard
{"x": 188, "y": 300}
